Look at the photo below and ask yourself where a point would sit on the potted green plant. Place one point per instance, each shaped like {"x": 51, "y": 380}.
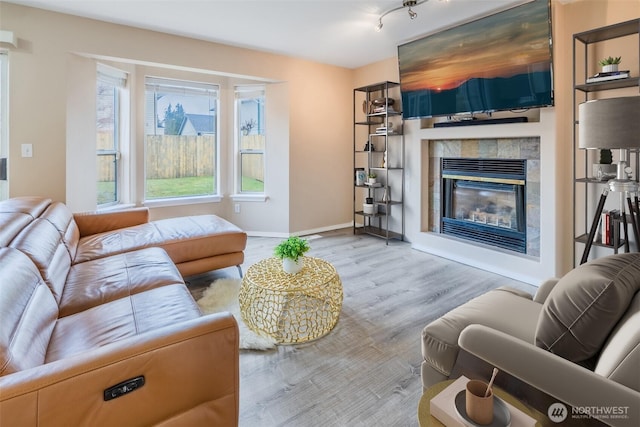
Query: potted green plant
{"x": 291, "y": 252}
{"x": 604, "y": 169}
{"x": 371, "y": 178}
{"x": 610, "y": 64}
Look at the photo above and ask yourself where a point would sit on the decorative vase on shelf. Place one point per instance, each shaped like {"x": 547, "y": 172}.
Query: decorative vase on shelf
{"x": 386, "y": 197}
{"x": 292, "y": 266}
{"x": 610, "y": 68}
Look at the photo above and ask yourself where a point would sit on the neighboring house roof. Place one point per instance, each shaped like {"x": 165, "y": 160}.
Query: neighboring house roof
{"x": 197, "y": 124}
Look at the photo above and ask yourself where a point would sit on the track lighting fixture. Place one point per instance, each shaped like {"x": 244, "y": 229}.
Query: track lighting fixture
{"x": 405, "y": 3}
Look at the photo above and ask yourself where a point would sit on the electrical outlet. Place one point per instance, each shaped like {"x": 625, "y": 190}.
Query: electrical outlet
{"x": 27, "y": 150}
{"x": 236, "y": 208}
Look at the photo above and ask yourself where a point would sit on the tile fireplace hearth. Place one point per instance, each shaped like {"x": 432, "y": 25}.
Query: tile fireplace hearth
{"x": 487, "y": 192}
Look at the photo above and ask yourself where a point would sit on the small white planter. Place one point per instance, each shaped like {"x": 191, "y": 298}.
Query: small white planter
{"x": 292, "y": 267}
{"x": 368, "y": 208}
{"x": 609, "y": 68}
{"x": 371, "y": 181}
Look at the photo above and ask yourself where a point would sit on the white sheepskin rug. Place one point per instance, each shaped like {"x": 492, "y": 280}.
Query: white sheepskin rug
{"x": 222, "y": 295}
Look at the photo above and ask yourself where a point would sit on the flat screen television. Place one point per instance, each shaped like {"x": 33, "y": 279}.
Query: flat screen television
{"x": 496, "y": 63}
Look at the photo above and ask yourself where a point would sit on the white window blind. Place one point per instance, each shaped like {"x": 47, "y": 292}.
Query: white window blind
{"x": 181, "y": 87}
{"x": 112, "y": 76}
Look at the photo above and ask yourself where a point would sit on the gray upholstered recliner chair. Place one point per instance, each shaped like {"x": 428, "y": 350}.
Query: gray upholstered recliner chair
{"x": 577, "y": 340}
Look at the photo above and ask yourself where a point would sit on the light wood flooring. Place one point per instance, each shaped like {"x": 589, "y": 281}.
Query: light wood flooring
{"x": 366, "y": 371}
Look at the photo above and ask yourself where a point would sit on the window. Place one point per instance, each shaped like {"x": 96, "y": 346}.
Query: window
{"x": 110, "y": 83}
{"x": 181, "y": 139}
{"x": 4, "y": 132}
{"x": 250, "y": 138}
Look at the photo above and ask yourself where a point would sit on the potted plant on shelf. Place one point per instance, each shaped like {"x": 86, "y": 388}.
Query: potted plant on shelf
{"x": 291, "y": 252}
{"x": 371, "y": 178}
{"x": 604, "y": 169}
{"x": 610, "y": 64}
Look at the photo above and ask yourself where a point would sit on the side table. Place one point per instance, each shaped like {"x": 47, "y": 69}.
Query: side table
{"x": 291, "y": 308}
{"x": 426, "y": 419}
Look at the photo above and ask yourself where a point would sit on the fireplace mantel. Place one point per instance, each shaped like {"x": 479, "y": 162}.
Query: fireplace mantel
{"x": 530, "y": 268}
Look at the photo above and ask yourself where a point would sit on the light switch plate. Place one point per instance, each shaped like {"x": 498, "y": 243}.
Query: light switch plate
{"x": 27, "y": 150}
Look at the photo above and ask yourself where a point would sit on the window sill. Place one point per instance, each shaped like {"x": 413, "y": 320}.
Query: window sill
{"x": 158, "y": 203}
{"x": 248, "y": 197}
{"x": 116, "y": 207}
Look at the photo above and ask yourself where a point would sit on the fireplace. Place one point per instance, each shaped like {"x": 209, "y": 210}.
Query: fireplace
{"x": 484, "y": 201}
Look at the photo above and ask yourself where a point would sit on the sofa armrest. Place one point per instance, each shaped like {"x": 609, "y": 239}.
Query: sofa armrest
{"x": 564, "y": 380}
{"x": 545, "y": 289}
{"x": 98, "y": 222}
{"x": 191, "y": 372}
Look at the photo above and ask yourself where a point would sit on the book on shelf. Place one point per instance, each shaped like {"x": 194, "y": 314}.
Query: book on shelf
{"x": 607, "y": 226}
{"x": 613, "y": 75}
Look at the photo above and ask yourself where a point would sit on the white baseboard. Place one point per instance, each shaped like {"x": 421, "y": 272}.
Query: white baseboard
{"x": 256, "y": 233}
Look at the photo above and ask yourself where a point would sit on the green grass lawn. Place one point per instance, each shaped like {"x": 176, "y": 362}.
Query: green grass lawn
{"x": 178, "y": 187}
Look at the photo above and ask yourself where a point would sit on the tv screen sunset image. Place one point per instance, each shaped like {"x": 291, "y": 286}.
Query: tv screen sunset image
{"x": 499, "y": 62}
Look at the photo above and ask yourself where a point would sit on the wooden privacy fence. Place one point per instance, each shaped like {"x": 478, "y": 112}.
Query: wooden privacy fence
{"x": 253, "y": 165}
{"x": 179, "y": 156}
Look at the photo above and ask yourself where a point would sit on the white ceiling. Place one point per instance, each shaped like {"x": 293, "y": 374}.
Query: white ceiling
{"x": 338, "y": 32}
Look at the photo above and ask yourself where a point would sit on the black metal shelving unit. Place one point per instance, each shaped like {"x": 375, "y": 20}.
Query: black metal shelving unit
{"x": 378, "y": 147}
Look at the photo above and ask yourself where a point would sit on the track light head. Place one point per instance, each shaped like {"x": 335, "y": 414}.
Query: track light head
{"x": 405, "y": 3}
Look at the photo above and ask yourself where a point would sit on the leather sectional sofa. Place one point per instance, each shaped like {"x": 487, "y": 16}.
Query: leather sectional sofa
{"x": 97, "y": 326}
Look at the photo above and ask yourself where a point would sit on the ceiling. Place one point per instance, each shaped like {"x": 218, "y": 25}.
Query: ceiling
{"x": 337, "y": 32}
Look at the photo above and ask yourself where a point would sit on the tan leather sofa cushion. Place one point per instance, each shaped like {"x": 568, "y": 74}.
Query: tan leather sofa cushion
{"x": 17, "y": 213}
{"x": 119, "y": 319}
{"x": 59, "y": 215}
{"x": 29, "y": 313}
{"x": 103, "y": 280}
{"x": 11, "y": 224}
{"x": 99, "y": 222}
{"x": 505, "y": 309}
{"x": 31, "y": 206}
{"x": 184, "y": 239}
{"x": 585, "y": 305}
{"x": 43, "y": 244}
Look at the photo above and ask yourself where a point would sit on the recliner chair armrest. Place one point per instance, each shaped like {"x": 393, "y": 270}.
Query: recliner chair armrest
{"x": 191, "y": 372}
{"x": 545, "y": 289}
{"x": 98, "y": 222}
{"x": 564, "y": 380}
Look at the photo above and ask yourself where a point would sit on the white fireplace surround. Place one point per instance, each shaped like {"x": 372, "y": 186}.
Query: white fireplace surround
{"x": 530, "y": 269}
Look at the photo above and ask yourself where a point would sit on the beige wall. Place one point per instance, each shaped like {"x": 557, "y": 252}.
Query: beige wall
{"x": 51, "y": 104}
